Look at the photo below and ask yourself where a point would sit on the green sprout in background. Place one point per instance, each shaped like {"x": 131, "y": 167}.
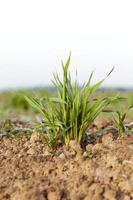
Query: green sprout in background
{"x": 119, "y": 119}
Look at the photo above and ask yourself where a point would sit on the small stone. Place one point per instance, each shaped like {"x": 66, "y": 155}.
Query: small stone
{"x": 62, "y": 156}
{"x": 110, "y": 194}
{"x": 46, "y": 153}
{"x": 53, "y": 196}
{"x": 126, "y": 197}
{"x": 85, "y": 154}
{"x": 31, "y": 151}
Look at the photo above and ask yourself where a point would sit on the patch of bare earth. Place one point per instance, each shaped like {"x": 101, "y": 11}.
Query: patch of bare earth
{"x": 29, "y": 172}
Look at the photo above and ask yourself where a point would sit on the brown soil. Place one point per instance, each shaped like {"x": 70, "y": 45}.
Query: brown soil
{"x": 29, "y": 172}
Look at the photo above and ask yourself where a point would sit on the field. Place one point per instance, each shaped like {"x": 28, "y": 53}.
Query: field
{"x": 71, "y": 143}
{"x": 102, "y": 168}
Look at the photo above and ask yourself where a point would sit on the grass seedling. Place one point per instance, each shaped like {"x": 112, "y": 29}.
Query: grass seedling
{"x": 119, "y": 160}
{"x": 14, "y": 130}
{"x": 119, "y": 118}
{"x": 68, "y": 115}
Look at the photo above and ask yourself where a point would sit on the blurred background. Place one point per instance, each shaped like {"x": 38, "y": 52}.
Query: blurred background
{"x": 36, "y": 34}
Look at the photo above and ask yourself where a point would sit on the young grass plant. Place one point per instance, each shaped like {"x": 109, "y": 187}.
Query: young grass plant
{"x": 119, "y": 118}
{"x": 68, "y": 115}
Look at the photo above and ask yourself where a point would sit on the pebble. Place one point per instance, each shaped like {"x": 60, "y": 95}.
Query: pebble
{"x": 62, "y": 156}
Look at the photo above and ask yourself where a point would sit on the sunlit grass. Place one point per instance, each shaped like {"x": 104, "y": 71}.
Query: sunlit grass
{"x": 69, "y": 114}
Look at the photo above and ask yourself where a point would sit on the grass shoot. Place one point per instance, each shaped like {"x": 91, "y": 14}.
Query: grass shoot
{"x": 68, "y": 115}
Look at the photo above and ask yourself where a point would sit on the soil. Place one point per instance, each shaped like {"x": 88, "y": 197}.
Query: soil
{"x": 28, "y": 171}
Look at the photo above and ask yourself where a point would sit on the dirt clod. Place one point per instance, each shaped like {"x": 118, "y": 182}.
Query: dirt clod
{"x": 29, "y": 171}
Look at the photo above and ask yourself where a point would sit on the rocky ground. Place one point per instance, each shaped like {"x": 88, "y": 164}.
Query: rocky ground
{"x": 103, "y": 172}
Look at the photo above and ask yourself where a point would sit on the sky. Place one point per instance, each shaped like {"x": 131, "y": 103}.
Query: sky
{"x": 36, "y": 34}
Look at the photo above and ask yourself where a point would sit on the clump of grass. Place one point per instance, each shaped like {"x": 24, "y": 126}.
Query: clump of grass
{"x": 14, "y": 130}
{"x": 119, "y": 119}
{"x": 68, "y": 115}
{"x": 119, "y": 160}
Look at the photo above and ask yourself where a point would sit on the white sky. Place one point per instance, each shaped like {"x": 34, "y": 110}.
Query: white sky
{"x": 36, "y": 34}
